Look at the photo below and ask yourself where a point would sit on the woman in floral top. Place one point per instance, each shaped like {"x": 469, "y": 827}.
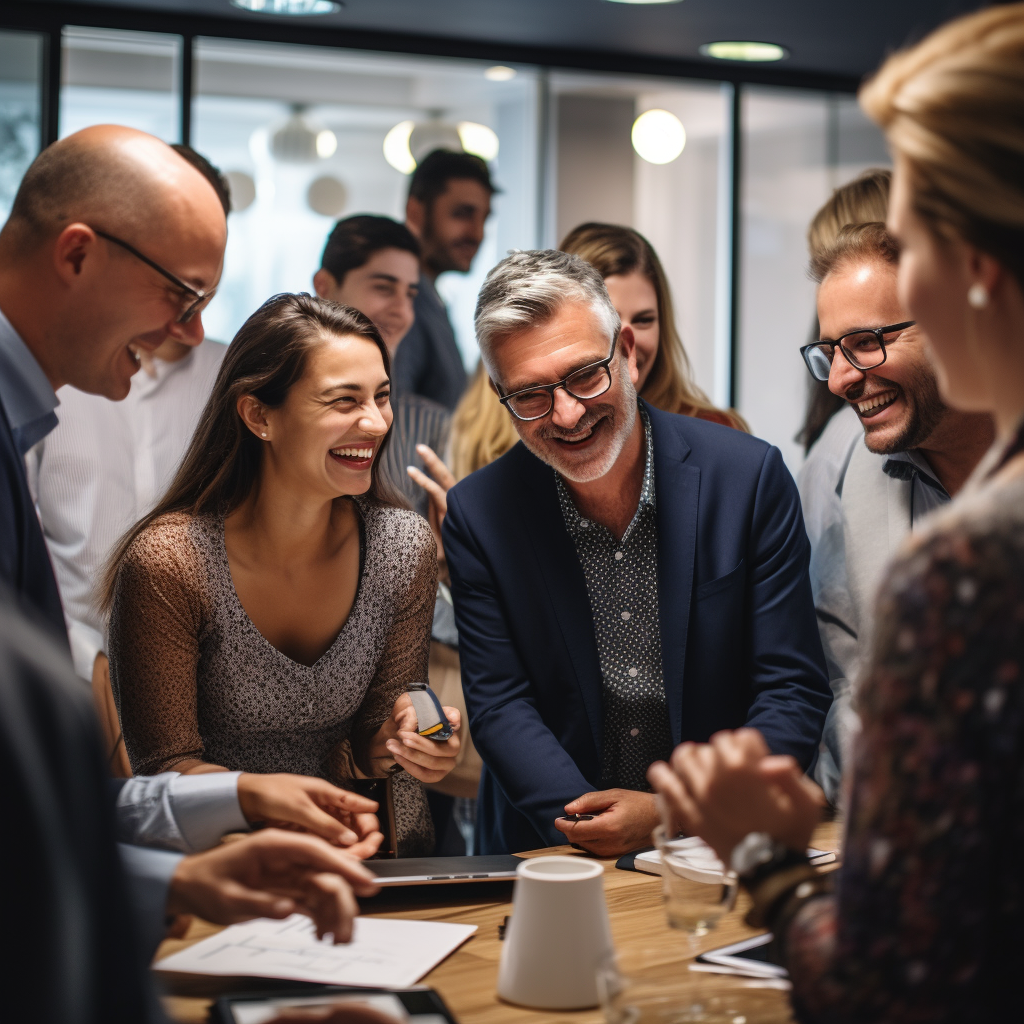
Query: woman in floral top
{"x": 924, "y": 919}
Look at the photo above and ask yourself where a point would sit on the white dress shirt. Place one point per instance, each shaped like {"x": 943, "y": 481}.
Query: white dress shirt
{"x": 103, "y": 467}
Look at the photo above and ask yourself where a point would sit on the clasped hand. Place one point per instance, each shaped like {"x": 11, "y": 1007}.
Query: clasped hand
{"x": 424, "y": 759}
{"x": 733, "y": 785}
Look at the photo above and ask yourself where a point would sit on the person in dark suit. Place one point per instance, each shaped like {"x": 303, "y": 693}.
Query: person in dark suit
{"x": 448, "y": 206}
{"x": 623, "y": 579}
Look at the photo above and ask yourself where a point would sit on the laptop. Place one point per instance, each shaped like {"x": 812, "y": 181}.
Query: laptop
{"x": 444, "y": 870}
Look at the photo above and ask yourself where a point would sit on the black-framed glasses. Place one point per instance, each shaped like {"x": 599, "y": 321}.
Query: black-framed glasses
{"x": 199, "y": 299}
{"x": 863, "y": 349}
{"x": 535, "y": 403}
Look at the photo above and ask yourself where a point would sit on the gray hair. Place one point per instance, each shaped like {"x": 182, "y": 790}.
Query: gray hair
{"x": 528, "y": 287}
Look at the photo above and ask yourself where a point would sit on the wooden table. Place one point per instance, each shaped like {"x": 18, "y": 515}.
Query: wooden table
{"x": 467, "y": 979}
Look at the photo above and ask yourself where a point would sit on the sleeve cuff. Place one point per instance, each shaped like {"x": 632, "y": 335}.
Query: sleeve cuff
{"x": 206, "y": 807}
{"x": 149, "y": 873}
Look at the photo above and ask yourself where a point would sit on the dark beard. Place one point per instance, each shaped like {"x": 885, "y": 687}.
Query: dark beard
{"x": 926, "y": 412}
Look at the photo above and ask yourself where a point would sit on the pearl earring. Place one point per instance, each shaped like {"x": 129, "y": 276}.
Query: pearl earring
{"x": 977, "y": 295}
{"x": 264, "y": 434}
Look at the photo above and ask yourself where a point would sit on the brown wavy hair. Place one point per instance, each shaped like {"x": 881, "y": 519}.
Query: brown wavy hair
{"x": 221, "y": 467}
{"x": 612, "y": 249}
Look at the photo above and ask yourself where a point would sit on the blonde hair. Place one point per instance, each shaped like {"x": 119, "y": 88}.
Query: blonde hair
{"x": 861, "y": 201}
{"x": 482, "y": 430}
{"x": 953, "y": 108}
{"x": 612, "y": 249}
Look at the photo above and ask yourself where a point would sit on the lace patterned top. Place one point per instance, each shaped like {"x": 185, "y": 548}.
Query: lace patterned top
{"x": 194, "y": 678}
{"x": 926, "y": 919}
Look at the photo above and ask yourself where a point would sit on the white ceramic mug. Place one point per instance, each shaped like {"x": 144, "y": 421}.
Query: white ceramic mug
{"x": 558, "y": 936}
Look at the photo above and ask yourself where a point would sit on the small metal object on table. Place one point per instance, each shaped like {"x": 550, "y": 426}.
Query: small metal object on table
{"x": 468, "y": 978}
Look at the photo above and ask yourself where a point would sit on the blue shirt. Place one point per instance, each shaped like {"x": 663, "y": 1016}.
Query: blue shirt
{"x": 26, "y": 394}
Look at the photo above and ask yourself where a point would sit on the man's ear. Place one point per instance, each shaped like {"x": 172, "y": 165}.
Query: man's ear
{"x": 72, "y": 247}
{"x": 252, "y": 414}
{"x": 324, "y": 283}
{"x": 415, "y": 216}
{"x": 627, "y": 341}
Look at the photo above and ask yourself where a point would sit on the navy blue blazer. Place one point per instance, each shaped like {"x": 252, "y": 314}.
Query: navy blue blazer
{"x": 739, "y": 638}
{"x": 24, "y": 560}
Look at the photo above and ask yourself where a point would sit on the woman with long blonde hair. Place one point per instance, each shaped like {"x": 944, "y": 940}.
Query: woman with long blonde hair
{"x": 639, "y": 290}
{"x": 923, "y": 920}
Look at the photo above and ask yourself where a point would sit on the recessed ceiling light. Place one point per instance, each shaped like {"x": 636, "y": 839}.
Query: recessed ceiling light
{"x": 296, "y": 8}
{"x": 658, "y": 136}
{"x": 735, "y": 50}
{"x": 500, "y": 73}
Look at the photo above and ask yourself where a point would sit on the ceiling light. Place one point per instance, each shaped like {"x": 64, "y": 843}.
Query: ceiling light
{"x": 744, "y": 51}
{"x": 478, "y": 139}
{"x": 645, "y": 1}
{"x": 326, "y": 144}
{"x": 658, "y": 136}
{"x": 396, "y": 147}
{"x": 296, "y": 8}
{"x": 500, "y": 73}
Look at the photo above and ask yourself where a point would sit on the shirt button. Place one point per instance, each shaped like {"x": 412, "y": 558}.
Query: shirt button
{"x": 634, "y": 732}
{"x": 618, "y": 556}
{"x": 633, "y": 673}
{"x": 625, "y": 616}
{"x": 584, "y": 523}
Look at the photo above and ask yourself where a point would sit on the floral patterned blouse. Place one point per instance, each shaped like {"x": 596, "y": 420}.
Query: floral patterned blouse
{"x": 927, "y": 919}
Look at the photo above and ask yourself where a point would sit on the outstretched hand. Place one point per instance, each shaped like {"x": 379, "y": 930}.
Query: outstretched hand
{"x": 437, "y": 486}
{"x": 273, "y": 874}
{"x": 725, "y": 789}
{"x": 312, "y": 805}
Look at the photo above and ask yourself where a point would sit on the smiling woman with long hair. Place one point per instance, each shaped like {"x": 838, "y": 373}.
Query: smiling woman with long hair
{"x": 270, "y": 613}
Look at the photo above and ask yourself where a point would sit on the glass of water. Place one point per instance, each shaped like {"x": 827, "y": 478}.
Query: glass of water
{"x": 655, "y": 988}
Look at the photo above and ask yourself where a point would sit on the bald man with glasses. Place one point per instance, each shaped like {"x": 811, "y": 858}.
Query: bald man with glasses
{"x": 623, "y": 580}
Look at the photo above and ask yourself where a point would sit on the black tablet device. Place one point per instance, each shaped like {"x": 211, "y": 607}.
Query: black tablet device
{"x": 407, "y": 1006}
{"x": 751, "y": 955}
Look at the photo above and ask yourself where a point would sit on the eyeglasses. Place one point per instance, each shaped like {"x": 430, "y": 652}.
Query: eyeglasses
{"x": 587, "y": 382}
{"x": 192, "y": 301}
{"x": 863, "y": 349}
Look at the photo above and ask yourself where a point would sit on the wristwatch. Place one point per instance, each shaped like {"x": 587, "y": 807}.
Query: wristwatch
{"x": 756, "y": 850}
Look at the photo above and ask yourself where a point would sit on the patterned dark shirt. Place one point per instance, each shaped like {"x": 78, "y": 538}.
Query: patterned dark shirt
{"x": 622, "y": 584}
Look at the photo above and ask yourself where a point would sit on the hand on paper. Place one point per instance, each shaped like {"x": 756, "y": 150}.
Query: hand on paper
{"x": 437, "y": 486}
{"x": 311, "y": 805}
{"x": 725, "y": 789}
{"x": 272, "y": 874}
{"x": 623, "y": 820}
{"x": 425, "y": 759}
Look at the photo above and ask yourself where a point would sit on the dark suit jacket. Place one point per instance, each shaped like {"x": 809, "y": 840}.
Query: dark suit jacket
{"x": 428, "y": 361}
{"x": 24, "y": 560}
{"x": 74, "y": 953}
{"x": 738, "y": 633}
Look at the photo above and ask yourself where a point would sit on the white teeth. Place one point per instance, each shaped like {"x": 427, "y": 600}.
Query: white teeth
{"x": 874, "y": 402}
{"x": 353, "y": 453}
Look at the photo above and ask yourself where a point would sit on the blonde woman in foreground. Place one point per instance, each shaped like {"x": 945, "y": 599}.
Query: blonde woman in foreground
{"x": 924, "y": 918}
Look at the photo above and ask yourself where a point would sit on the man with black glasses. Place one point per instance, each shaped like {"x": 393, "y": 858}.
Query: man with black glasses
{"x": 917, "y": 452}
{"x": 624, "y": 579}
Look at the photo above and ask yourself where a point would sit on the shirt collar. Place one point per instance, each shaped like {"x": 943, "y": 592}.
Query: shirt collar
{"x": 574, "y": 521}
{"x": 908, "y": 464}
{"x": 27, "y": 397}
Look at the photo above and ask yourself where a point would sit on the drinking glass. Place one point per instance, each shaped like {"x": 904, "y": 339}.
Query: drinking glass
{"x": 653, "y": 988}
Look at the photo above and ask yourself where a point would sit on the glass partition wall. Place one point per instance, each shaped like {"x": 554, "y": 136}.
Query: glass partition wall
{"x": 21, "y": 73}
{"x": 307, "y": 134}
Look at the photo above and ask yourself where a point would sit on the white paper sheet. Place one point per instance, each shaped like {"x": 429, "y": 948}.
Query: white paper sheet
{"x": 383, "y": 953}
